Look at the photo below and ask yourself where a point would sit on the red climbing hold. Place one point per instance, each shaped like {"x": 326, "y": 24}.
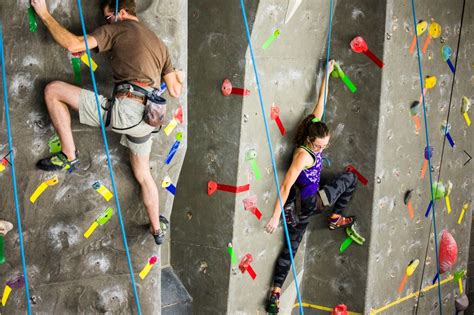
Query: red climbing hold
{"x": 340, "y": 309}
{"x": 211, "y": 187}
{"x": 245, "y": 265}
{"x": 362, "y": 179}
{"x": 448, "y": 252}
{"x": 359, "y": 45}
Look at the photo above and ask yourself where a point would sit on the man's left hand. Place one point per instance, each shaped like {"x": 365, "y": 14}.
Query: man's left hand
{"x": 40, "y": 7}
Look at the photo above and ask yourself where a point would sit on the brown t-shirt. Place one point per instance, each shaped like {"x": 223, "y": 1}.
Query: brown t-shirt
{"x": 137, "y": 54}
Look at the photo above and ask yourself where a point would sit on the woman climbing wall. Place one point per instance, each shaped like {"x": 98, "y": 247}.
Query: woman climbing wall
{"x": 312, "y": 137}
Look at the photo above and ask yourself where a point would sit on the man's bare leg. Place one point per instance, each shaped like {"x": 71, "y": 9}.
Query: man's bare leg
{"x": 141, "y": 171}
{"x": 59, "y": 96}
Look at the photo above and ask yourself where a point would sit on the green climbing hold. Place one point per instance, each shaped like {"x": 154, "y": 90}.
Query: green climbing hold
{"x": 105, "y": 216}
{"x": 338, "y": 73}
{"x": 354, "y": 235}
{"x": 76, "y": 68}
{"x": 5, "y": 227}
{"x": 348, "y": 241}
{"x": 439, "y": 190}
{"x": 2, "y": 255}
{"x": 54, "y": 144}
{"x": 32, "y": 20}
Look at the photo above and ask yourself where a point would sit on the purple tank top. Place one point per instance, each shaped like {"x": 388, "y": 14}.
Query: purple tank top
{"x": 308, "y": 180}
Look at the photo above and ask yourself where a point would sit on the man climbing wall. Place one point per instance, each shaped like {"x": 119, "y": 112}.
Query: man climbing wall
{"x": 140, "y": 62}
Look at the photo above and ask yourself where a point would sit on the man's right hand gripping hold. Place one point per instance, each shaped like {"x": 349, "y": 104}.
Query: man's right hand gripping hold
{"x": 141, "y": 59}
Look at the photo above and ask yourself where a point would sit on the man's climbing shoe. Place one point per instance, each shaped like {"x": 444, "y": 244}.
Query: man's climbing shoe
{"x": 337, "y": 221}
{"x": 57, "y": 162}
{"x": 290, "y": 214}
{"x": 273, "y": 302}
{"x": 160, "y": 234}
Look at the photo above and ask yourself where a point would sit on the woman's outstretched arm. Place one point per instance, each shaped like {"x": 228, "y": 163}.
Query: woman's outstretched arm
{"x": 319, "y": 106}
{"x": 300, "y": 159}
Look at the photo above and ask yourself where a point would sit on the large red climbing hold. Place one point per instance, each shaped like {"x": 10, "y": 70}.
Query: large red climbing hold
{"x": 448, "y": 252}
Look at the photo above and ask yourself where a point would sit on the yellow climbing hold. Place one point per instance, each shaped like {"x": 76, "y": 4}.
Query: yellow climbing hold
{"x": 430, "y": 82}
{"x": 42, "y": 187}
{"x": 435, "y": 30}
{"x": 6, "y": 294}
{"x": 421, "y": 27}
{"x": 85, "y": 60}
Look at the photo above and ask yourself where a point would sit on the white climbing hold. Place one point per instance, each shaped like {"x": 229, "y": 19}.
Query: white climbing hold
{"x": 292, "y": 7}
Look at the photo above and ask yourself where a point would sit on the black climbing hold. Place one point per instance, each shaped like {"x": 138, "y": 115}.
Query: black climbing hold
{"x": 407, "y": 196}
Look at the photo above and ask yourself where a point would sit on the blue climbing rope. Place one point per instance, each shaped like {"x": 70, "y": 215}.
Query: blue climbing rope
{"x": 420, "y": 71}
{"x": 13, "y": 172}
{"x": 116, "y": 9}
{"x": 109, "y": 162}
{"x": 275, "y": 174}
{"x": 327, "y": 61}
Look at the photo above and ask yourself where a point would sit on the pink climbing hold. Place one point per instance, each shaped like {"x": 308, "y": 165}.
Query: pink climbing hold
{"x": 448, "y": 252}
{"x": 178, "y": 114}
{"x": 275, "y": 115}
{"x": 152, "y": 260}
{"x": 227, "y": 89}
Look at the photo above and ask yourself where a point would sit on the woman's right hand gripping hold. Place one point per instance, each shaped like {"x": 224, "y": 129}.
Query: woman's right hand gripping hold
{"x": 301, "y": 158}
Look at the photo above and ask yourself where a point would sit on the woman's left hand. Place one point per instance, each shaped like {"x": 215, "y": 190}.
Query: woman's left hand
{"x": 330, "y": 66}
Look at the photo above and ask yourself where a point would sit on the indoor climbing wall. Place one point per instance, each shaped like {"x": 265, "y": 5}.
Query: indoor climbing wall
{"x": 203, "y": 224}
{"x": 219, "y": 245}
{"x": 402, "y": 257}
{"x": 233, "y": 152}
{"x": 291, "y": 67}
{"x": 69, "y": 273}
{"x": 334, "y": 273}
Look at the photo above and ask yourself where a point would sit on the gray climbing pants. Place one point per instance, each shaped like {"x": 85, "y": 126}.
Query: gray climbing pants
{"x": 336, "y": 194}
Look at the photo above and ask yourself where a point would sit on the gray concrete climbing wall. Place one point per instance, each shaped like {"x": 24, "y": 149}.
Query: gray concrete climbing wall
{"x": 68, "y": 273}
{"x": 395, "y": 239}
{"x": 365, "y": 133}
{"x": 203, "y": 225}
{"x": 371, "y": 129}
{"x": 289, "y": 70}
{"x": 332, "y": 277}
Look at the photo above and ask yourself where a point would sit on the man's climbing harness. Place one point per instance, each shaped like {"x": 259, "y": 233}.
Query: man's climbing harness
{"x": 155, "y": 107}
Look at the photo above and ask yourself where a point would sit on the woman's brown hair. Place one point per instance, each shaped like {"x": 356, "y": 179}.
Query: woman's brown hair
{"x": 310, "y": 130}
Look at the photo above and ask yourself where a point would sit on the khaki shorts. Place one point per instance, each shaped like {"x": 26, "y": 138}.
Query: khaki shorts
{"x": 125, "y": 113}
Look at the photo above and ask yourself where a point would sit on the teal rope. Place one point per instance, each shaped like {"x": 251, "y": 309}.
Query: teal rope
{"x": 13, "y": 172}
{"x": 420, "y": 71}
{"x": 109, "y": 162}
{"x": 116, "y": 10}
{"x": 275, "y": 174}
{"x": 327, "y": 60}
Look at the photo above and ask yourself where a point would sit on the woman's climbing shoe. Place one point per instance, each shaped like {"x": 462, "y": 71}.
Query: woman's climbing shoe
{"x": 337, "y": 221}
{"x": 290, "y": 214}
{"x": 159, "y": 235}
{"x": 273, "y": 302}
{"x": 57, "y": 162}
